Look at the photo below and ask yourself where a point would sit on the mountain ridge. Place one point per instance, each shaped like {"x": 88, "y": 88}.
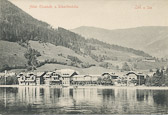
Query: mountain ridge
{"x": 126, "y": 37}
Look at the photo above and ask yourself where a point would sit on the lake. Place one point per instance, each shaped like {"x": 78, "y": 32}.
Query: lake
{"x": 49, "y": 100}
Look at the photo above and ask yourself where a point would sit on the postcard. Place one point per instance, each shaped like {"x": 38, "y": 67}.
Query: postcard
{"x": 83, "y": 57}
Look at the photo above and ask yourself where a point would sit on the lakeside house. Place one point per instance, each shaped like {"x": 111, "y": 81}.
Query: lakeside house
{"x": 39, "y": 78}
{"x": 58, "y": 77}
{"x": 67, "y": 77}
{"x": 21, "y": 78}
{"x": 134, "y": 78}
{"x": 51, "y": 78}
{"x": 85, "y": 79}
{"x": 30, "y": 78}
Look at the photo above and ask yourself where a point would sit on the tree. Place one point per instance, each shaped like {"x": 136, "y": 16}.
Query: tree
{"x": 135, "y": 66}
{"x": 148, "y": 81}
{"x": 158, "y": 78}
{"x": 167, "y": 70}
{"x": 117, "y": 67}
{"x": 150, "y": 70}
{"x": 31, "y": 55}
{"x": 126, "y": 67}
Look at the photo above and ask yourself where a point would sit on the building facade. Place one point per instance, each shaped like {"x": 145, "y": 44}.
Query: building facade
{"x": 30, "y": 78}
{"x": 67, "y": 77}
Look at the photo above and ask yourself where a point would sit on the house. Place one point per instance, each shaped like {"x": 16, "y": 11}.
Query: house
{"x": 39, "y": 78}
{"x": 85, "y": 79}
{"x": 134, "y": 78}
{"x": 21, "y": 78}
{"x": 141, "y": 78}
{"x": 52, "y": 78}
{"x": 26, "y": 79}
{"x": 114, "y": 77}
{"x": 66, "y": 75}
{"x": 30, "y": 78}
{"x": 131, "y": 76}
{"x": 110, "y": 75}
{"x": 55, "y": 79}
{"x": 47, "y": 78}
{"x": 78, "y": 79}
{"x": 106, "y": 74}
{"x": 88, "y": 79}
{"x": 95, "y": 78}
{"x": 150, "y": 74}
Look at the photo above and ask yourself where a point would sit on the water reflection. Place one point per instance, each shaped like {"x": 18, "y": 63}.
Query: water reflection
{"x": 48, "y": 100}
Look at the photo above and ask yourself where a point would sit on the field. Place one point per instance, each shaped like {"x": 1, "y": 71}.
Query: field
{"x": 91, "y": 70}
{"x": 11, "y": 54}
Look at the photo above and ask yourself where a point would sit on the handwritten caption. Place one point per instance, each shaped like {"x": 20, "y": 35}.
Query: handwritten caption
{"x": 53, "y": 6}
{"x": 142, "y": 7}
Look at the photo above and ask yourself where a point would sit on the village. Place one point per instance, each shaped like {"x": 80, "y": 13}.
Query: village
{"x": 69, "y": 77}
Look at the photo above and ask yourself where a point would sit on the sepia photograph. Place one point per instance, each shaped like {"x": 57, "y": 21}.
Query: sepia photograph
{"x": 83, "y": 57}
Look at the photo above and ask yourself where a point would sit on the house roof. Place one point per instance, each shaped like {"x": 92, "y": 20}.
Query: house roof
{"x": 79, "y": 76}
{"x": 20, "y": 74}
{"x": 30, "y": 74}
{"x": 95, "y": 75}
{"x": 150, "y": 74}
{"x": 40, "y": 73}
{"x": 66, "y": 72}
{"x": 106, "y": 73}
{"x": 49, "y": 72}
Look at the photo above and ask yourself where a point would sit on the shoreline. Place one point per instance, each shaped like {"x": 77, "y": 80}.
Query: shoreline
{"x": 98, "y": 87}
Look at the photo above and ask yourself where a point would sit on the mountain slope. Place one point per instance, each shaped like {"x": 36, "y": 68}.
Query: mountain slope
{"x": 60, "y": 54}
{"x": 137, "y": 38}
{"x": 42, "y": 44}
{"x": 158, "y": 48}
{"x": 11, "y": 55}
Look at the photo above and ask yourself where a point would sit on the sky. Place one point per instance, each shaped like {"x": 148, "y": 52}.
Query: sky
{"x": 108, "y": 14}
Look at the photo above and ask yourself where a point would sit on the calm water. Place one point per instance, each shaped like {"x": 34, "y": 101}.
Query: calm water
{"x": 36, "y": 100}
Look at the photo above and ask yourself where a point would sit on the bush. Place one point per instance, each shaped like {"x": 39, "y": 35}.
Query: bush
{"x": 74, "y": 59}
{"x": 106, "y": 65}
{"x": 126, "y": 67}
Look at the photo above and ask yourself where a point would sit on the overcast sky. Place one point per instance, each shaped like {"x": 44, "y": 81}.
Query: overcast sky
{"x": 109, "y": 14}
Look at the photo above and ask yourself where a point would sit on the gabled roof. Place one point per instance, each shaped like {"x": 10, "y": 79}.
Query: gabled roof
{"x": 79, "y": 76}
{"x": 150, "y": 74}
{"x": 21, "y": 74}
{"x": 40, "y": 73}
{"x": 66, "y": 72}
{"x": 131, "y": 72}
{"x": 106, "y": 73}
{"x": 95, "y": 75}
{"x": 49, "y": 72}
